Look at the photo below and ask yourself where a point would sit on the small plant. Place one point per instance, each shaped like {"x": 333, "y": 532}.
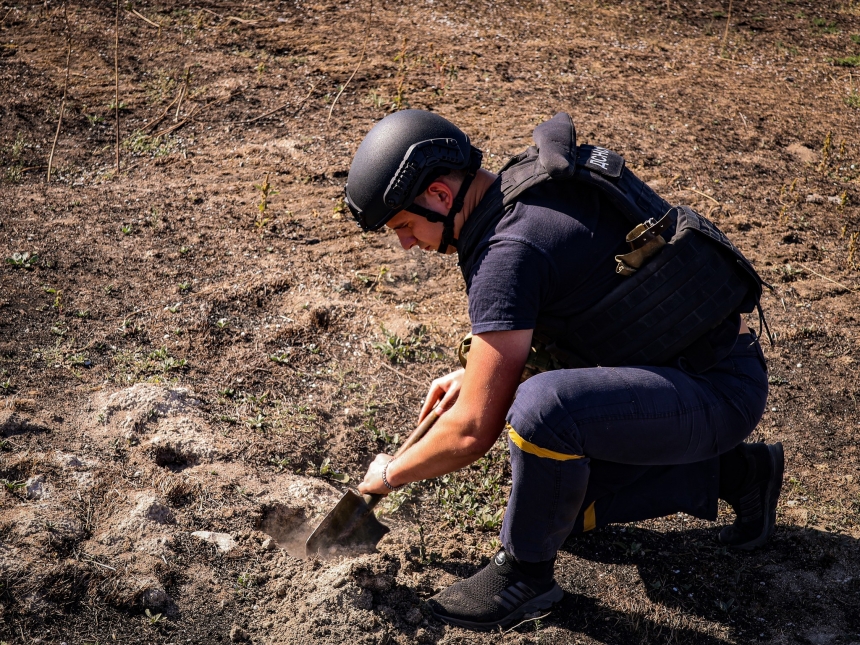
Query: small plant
{"x": 825, "y": 27}
{"x": 144, "y": 144}
{"x": 183, "y": 250}
{"x": 244, "y": 580}
{"x": 122, "y": 106}
{"x": 165, "y": 361}
{"x": 266, "y": 192}
{"x": 174, "y": 307}
{"x": 222, "y": 323}
{"x": 375, "y": 98}
{"x": 855, "y": 38}
{"x": 126, "y": 229}
{"x": 853, "y": 99}
{"x": 848, "y": 61}
{"x": 82, "y": 313}
{"x": 12, "y": 486}
{"x": 95, "y": 119}
{"x": 184, "y": 287}
{"x": 153, "y": 618}
{"x": 281, "y": 357}
{"x": 23, "y": 260}
{"x": 280, "y": 464}
{"x": 327, "y": 470}
{"x": 256, "y": 423}
{"x": 399, "y": 350}
{"x": 18, "y": 146}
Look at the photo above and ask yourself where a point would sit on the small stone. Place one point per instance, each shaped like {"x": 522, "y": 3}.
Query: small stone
{"x": 269, "y": 545}
{"x": 35, "y": 487}
{"x": 414, "y": 616}
{"x": 155, "y": 598}
{"x": 238, "y": 635}
{"x": 224, "y": 541}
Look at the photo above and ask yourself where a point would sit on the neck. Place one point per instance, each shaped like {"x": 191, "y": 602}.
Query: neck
{"x": 480, "y": 184}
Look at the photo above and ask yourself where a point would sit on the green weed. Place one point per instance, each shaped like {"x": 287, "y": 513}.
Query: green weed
{"x": 153, "y": 618}
{"x": 141, "y": 143}
{"x": 12, "y": 486}
{"x": 161, "y": 359}
{"x": 848, "y": 61}
{"x": 327, "y": 470}
{"x": 257, "y": 422}
{"x": 475, "y": 498}
{"x": 400, "y": 350}
{"x": 825, "y": 27}
{"x": 853, "y": 99}
{"x": 281, "y": 357}
{"x": 23, "y": 260}
{"x": 125, "y": 229}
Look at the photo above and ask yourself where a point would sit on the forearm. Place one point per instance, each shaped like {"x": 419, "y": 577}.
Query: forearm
{"x": 455, "y": 441}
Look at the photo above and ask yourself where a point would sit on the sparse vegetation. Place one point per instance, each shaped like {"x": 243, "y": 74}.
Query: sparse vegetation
{"x": 24, "y": 260}
{"x": 242, "y": 394}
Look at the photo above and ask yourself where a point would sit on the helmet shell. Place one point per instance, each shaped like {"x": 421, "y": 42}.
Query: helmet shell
{"x": 398, "y": 159}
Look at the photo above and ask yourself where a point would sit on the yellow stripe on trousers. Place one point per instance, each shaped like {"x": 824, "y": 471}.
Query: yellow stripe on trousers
{"x": 589, "y": 518}
{"x": 532, "y": 449}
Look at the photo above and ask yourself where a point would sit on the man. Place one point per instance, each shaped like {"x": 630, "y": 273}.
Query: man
{"x": 540, "y": 247}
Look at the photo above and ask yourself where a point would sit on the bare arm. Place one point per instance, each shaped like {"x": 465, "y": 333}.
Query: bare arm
{"x": 469, "y": 429}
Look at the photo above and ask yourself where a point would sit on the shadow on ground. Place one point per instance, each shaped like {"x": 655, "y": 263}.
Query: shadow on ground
{"x": 802, "y": 587}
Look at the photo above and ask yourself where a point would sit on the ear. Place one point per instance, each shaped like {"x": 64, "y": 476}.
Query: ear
{"x": 439, "y": 193}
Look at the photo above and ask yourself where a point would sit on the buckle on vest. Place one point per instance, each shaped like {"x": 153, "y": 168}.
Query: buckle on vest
{"x": 645, "y": 242}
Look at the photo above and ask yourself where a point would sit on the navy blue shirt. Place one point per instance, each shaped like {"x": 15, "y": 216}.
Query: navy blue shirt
{"x": 550, "y": 257}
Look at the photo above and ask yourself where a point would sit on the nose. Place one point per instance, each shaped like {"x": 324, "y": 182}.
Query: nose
{"x": 407, "y": 241}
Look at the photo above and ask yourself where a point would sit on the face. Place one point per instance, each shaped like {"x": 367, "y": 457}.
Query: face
{"x": 414, "y": 230}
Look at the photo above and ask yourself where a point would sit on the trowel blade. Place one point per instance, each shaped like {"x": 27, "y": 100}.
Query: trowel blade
{"x": 349, "y": 526}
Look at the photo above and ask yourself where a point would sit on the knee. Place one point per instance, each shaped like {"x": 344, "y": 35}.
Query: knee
{"x": 539, "y": 418}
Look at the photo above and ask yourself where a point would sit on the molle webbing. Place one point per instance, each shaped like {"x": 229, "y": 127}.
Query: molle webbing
{"x": 664, "y": 309}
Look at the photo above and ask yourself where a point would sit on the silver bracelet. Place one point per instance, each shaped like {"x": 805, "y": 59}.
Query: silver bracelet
{"x": 385, "y": 478}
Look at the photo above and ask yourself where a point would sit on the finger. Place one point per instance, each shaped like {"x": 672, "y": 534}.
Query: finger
{"x": 449, "y": 399}
{"x": 433, "y": 397}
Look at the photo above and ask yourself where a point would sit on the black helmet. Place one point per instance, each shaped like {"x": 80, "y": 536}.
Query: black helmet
{"x": 398, "y": 159}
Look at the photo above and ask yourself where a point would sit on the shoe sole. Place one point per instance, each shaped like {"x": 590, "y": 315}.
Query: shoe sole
{"x": 774, "y": 486}
{"x": 536, "y": 604}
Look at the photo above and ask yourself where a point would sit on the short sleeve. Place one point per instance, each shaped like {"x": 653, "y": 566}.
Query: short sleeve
{"x": 508, "y": 285}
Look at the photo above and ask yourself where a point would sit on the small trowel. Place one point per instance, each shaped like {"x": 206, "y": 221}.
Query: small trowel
{"x": 352, "y": 525}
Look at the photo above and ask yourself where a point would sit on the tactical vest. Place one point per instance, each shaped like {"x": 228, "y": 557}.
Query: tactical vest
{"x": 663, "y": 309}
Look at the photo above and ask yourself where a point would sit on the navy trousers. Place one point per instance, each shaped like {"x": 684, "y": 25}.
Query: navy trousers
{"x": 603, "y": 445}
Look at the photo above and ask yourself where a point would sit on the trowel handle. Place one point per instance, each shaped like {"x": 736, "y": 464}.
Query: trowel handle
{"x": 419, "y": 432}
{"x": 372, "y": 499}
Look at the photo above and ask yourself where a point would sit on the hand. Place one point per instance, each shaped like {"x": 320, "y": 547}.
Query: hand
{"x": 445, "y": 388}
{"x": 373, "y": 477}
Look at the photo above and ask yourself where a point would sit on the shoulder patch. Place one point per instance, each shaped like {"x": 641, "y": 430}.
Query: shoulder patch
{"x": 601, "y": 160}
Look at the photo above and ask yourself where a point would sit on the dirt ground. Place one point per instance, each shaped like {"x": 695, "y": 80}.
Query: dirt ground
{"x": 205, "y": 342}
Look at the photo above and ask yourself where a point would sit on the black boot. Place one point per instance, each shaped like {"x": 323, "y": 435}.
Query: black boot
{"x": 752, "y": 494}
{"x": 499, "y": 594}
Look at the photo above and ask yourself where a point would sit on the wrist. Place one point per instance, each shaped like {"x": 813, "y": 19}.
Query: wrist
{"x": 386, "y": 478}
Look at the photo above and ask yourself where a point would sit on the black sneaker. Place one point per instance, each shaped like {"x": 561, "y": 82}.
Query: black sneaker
{"x": 496, "y": 596}
{"x": 755, "y": 503}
